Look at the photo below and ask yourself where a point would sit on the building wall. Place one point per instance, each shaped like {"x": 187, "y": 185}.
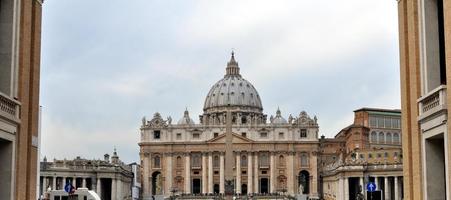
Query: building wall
{"x": 416, "y": 84}
{"x": 20, "y": 33}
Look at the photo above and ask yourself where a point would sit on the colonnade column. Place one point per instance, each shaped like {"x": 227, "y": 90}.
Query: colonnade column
{"x": 249, "y": 173}
{"x": 362, "y": 185}
{"x": 272, "y": 178}
{"x": 256, "y": 172}
{"x": 43, "y": 186}
{"x": 386, "y": 188}
{"x": 187, "y": 174}
{"x": 113, "y": 188}
{"x": 396, "y": 188}
{"x": 221, "y": 173}
{"x": 99, "y": 188}
{"x": 54, "y": 183}
{"x": 204, "y": 173}
{"x": 210, "y": 173}
{"x": 74, "y": 182}
{"x": 64, "y": 183}
{"x": 168, "y": 173}
{"x": 376, "y": 182}
{"x": 238, "y": 173}
{"x": 83, "y": 183}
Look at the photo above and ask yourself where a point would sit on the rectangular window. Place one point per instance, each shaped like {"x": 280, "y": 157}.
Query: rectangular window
{"x": 196, "y": 136}
{"x": 156, "y": 135}
{"x": 388, "y": 122}
{"x": 8, "y": 43}
{"x": 179, "y": 136}
{"x": 303, "y": 133}
{"x": 263, "y": 135}
{"x": 380, "y": 122}
{"x": 373, "y": 122}
{"x": 243, "y": 134}
{"x": 281, "y": 136}
{"x": 434, "y": 44}
{"x": 215, "y": 134}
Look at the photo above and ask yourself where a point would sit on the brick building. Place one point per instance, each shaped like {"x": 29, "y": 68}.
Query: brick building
{"x": 20, "y": 36}
{"x": 425, "y": 53}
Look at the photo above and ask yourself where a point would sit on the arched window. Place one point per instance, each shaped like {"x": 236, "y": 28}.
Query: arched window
{"x": 281, "y": 160}
{"x": 156, "y": 162}
{"x": 388, "y": 138}
{"x": 304, "y": 160}
{"x": 373, "y": 137}
{"x": 381, "y": 137}
{"x": 216, "y": 161}
{"x": 395, "y": 138}
{"x": 243, "y": 161}
{"x": 179, "y": 161}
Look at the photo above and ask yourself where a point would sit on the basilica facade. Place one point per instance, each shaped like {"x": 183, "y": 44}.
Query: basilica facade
{"x": 234, "y": 140}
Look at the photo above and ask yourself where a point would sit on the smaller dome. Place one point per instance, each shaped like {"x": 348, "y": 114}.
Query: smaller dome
{"x": 278, "y": 119}
{"x": 185, "y": 119}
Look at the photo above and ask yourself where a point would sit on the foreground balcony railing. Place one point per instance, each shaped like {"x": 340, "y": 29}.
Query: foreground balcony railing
{"x": 432, "y": 103}
{"x": 9, "y": 107}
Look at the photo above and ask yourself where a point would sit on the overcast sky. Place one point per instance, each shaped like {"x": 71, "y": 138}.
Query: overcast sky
{"x": 107, "y": 63}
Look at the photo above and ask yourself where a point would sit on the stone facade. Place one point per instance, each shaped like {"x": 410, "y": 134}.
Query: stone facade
{"x": 425, "y": 53}
{"x": 110, "y": 179}
{"x": 268, "y": 156}
{"x": 369, "y": 150}
{"x": 20, "y": 36}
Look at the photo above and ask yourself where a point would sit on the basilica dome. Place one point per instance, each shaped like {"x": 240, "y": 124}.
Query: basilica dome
{"x": 233, "y": 90}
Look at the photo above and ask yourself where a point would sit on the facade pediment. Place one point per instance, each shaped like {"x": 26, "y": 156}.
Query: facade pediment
{"x": 236, "y": 139}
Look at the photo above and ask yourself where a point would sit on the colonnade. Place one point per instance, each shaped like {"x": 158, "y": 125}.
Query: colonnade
{"x": 389, "y": 193}
{"x": 51, "y": 181}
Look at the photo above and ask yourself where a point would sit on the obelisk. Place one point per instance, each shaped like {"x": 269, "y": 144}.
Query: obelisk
{"x": 229, "y": 185}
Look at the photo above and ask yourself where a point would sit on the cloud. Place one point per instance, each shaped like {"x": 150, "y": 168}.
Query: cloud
{"x": 108, "y": 63}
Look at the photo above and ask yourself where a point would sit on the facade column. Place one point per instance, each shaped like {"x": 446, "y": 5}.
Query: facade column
{"x": 250, "y": 186}
{"x": 204, "y": 173}
{"x": 146, "y": 175}
{"x": 221, "y": 173}
{"x": 99, "y": 188}
{"x": 341, "y": 189}
{"x": 54, "y": 183}
{"x": 346, "y": 188}
{"x": 113, "y": 188}
{"x": 84, "y": 183}
{"x": 210, "y": 173}
{"x": 119, "y": 189}
{"x": 396, "y": 188}
{"x": 272, "y": 178}
{"x": 74, "y": 182}
{"x": 256, "y": 172}
{"x": 187, "y": 174}
{"x": 238, "y": 173}
{"x": 169, "y": 177}
{"x": 290, "y": 179}
{"x": 386, "y": 188}
{"x": 314, "y": 162}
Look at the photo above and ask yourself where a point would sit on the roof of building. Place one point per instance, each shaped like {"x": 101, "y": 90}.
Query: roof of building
{"x": 232, "y": 90}
{"x": 379, "y": 110}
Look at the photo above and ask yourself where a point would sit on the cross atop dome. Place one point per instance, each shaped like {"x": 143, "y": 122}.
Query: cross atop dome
{"x": 232, "y": 67}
